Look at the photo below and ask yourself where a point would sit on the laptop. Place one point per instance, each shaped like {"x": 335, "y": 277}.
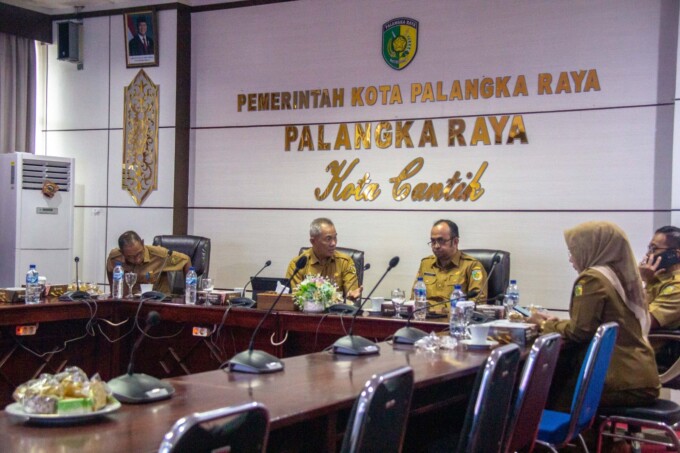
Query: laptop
{"x": 261, "y": 284}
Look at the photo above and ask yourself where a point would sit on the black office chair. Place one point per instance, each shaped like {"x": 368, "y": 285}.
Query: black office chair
{"x": 378, "y": 419}
{"x": 667, "y": 345}
{"x": 243, "y": 428}
{"x": 197, "y": 247}
{"x": 501, "y": 275}
{"x": 357, "y": 257}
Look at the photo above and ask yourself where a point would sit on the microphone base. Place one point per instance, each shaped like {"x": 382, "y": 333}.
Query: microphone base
{"x": 408, "y": 335}
{"x": 355, "y": 345}
{"x": 154, "y": 295}
{"x": 244, "y": 302}
{"x": 255, "y": 362}
{"x": 140, "y": 388}
{"x": 343, "y": 309}
{"x": 74, "y": 295}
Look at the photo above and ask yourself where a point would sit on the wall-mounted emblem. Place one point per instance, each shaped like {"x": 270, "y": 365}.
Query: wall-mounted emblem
{"x": 400, "y": 42}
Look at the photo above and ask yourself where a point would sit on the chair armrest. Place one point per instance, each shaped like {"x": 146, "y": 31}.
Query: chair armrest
{"x": 667, "y": 335}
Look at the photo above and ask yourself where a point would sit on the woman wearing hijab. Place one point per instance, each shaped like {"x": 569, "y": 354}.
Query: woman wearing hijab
{"x": 608, "y": 288}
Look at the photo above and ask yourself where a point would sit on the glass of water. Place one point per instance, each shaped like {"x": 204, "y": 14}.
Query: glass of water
{"x": 207, "y": 284}
{"x": 398, "y": 298}
{"x": 130, "y": 279}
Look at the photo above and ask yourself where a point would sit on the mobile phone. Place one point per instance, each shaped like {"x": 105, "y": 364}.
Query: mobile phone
{"x": 668, "y": 258}
{"x": 522, "y": 310}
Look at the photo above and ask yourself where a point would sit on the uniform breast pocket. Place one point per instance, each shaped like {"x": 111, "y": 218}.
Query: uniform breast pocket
{"x": 429, "y": 279}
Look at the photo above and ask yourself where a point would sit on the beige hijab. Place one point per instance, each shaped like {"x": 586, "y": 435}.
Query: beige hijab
{"x": 604, "y": 247}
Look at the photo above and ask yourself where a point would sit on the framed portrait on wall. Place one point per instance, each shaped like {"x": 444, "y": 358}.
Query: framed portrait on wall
{"x": 141, "y": 39}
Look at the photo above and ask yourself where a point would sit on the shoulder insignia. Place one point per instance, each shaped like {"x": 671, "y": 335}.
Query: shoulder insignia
{"x": 578, "y": 290}
{"x": 668, "y": 290}
{"x": 476, "y": 275}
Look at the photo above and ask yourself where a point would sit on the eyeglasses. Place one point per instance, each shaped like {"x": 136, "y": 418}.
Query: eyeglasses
{"x": 652, "y": 249}
{"x": 439, "y": 242}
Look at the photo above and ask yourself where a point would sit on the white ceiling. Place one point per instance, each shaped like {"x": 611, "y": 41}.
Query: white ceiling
{"x": 69, "y": 6}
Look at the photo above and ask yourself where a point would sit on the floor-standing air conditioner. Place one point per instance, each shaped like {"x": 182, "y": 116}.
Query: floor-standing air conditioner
{"x": 34, "y": 227}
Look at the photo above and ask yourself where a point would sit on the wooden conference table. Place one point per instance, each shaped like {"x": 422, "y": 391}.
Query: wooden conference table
{"x": 309, "y": 401}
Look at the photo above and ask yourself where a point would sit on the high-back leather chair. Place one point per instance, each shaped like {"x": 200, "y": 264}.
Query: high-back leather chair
{"x": 197, "y": 247}
{"x": 357, "y": 257}
{"x": 500, "y": 278}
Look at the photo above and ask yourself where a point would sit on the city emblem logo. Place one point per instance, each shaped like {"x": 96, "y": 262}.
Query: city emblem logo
{"x": 400, "y": 42}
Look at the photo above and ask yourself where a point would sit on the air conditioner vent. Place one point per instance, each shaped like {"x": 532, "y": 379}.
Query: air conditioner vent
{"x": 35, "y": 172}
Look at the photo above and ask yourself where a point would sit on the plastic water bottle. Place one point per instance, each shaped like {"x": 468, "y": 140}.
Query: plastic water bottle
{"x": 511, "y": 298}
{"x": 420, "y": 293}
{"x": 32, "y": 286}
{"x": 117, "y": 286}
{"x": 456, "y": 295}
{"x": 190, "y": 287}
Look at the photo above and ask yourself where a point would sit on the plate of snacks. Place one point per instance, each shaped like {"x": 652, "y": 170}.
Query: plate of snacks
{"x": 63, "y": 398}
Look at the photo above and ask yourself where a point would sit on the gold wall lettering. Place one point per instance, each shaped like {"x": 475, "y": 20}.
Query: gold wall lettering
{"x": 384, "y": 134}
{"x": 140, "y": 138}
{"x": 453, "y": 189}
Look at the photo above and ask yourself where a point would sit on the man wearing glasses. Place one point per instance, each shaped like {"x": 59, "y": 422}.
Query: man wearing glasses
{"x": 660, "y": 270}
{"x": 323, "y": 259}
{"x": 448, "y": 266}
{"x": 151, "y": 263}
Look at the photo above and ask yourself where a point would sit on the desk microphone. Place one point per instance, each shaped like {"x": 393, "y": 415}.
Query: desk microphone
{"x": 138, "y": 387}
{"x": 367, "y": 266}
{"x": 409, "y": 335}
{"x": 246, "y": 301}
{"x": 153, "y": 294}
{"x": 77, "y": 294}
{"x": 344, "y": 308}
{"x": 355, "y": 345}
{"x": 258, "y": 362}
{"x": 494, "y": 262}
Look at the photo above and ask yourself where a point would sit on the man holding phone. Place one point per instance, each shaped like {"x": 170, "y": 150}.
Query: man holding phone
{"x": 660, "y": 270}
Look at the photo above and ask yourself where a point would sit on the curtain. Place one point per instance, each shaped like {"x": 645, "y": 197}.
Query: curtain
{"x": 17, "y": 94}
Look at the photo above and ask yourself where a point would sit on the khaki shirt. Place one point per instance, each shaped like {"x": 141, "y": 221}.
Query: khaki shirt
{"x": 663, "y": 296}
{"x": 594, "y": 301}
{"x": 339, "y": 268}
{"x": 464, "y": 271}
{"x": 147, "y": 272}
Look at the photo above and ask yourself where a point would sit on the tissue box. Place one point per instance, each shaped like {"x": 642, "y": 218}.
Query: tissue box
{"x": 266, "y": 299}
{"x": 492, "y": 311}
{"x": 521, "y": 333}
{"x": 12, "y": 295}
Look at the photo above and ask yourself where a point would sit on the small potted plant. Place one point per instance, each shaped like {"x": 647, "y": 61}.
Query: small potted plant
{"x": 315, "y": 294}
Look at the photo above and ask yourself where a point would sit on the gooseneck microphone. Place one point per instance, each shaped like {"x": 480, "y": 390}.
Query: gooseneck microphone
{"x": 140, "y": 388}
{"x": 244, "y": 301}
{"x": 494, "y": 262}
{"x": 77, "y": 294}
{"x": 367, "y": 266}
{"x": 258, "y": 362}
{"x": 344, "y": 308}
{"x": 409, "y": 335}
{"x": 355, "y": 345}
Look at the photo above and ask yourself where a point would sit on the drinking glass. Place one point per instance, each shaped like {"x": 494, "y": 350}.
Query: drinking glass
{"x": 398, "y": 298}
{"x": 207, "y": 285}
{"x": 130, "y": 279}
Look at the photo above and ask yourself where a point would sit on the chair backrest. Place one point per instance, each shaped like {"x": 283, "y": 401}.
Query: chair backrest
{"x": 197, "y": 247}
{"x": 377, "y": 422}
{"x": 357, "y": 257}
{"x": 501, "y": 275}
{"x": 667, "y": 356}
{"x": 591, "y": 378}
{"x": 489, "y": 405}
{"x": 532, "y": 393}
{"x": 243, "y": 428}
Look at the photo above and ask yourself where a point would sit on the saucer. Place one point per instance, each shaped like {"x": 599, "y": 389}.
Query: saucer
{"x": 486, "y": 345}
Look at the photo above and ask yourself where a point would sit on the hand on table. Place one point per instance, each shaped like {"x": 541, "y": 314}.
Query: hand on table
{"x": 355, "y": 293}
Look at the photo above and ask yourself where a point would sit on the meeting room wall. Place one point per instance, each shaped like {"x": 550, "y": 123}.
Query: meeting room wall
{"x": 597, "y": 148}
{"x": 84, "y": 119}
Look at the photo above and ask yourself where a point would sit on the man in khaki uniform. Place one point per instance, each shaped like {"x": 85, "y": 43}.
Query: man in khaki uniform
{"x": 323, "y": 259}
{"x": 449, "y": 266}
{"x": 660, "y": 270}
{"x": 151, "y": 263}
